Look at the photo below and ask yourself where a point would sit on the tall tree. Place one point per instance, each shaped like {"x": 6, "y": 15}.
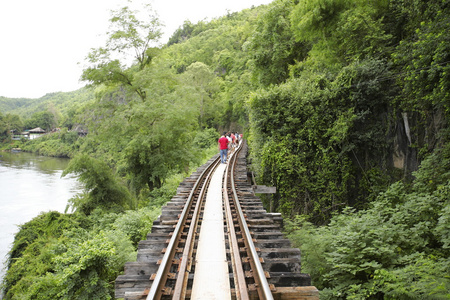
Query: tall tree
{"x": 162, "y": 129}
{"x": 43, "y": 119}
{"x": 202, "y": 79}
{"x": 272, "y": 45}
{"x": 128, "y": 43}
{"x": 8, "y": 123}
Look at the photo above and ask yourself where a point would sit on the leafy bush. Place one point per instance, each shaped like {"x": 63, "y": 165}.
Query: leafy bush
{"x": 88, "y": 268}
{"x": 58, "y": 256}
{"x": 136, "y": 224}
{"x": 206, "y": 138}
{"x": 321, "y": 141}
{"x": 50, "y": 224}
{"x": 58, "y": 144}
{"x": 102, "y": 188}
{"x": 159, "y": 196}
{"x": 81, "y": 267}
{"x": 33, "y": 248}
{"x": 397, "y": 249}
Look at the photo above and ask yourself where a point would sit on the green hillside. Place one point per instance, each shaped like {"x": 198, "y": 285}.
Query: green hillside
{"x": 10, "y": 104}
{"x": 61, "y": 101}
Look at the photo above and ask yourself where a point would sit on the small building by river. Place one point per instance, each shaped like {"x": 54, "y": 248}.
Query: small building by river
{"x": 28, "y": 134}
{"x": 35, "y": 133}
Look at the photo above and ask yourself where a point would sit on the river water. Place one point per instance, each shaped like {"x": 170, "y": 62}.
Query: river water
{"x": 30, "y": 184}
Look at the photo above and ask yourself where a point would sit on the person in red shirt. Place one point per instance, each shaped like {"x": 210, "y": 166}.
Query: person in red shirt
{"x": 223, "y": 148}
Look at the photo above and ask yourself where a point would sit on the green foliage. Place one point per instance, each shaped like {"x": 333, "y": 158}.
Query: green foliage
{"x": 426, "y": 64}
{"x": 206, "y": 138}
{"x": 442, "y": 229}
{"x": 341, "y": 31}
{"x": 156, "y": 198}
{"x": 313, "y": 242}
{"x": 87, "y": 268}
{"x": 59, "y": 256}
{"x": 203, "y": 80}
{"x": 10, "y": 104}
{"x": 58, "y": 104}
{"x": 128, "y": 32}
{"x": 8, "y": 123}
{"x": 46, "y": 224}
{"x": 421, "y": 280}
{"x": 272, "y": 45}
{"x": 397, "y": 249}
{"x": 128, "y": 35}
{"x": 31, "y": 252}
{"x": 218, "y": 45}
{"x": 102, "y": 189}
{"x": 35, "y": 262}
{"x": 326, "y": 135}
{"x": 152, "y": 138}
{"x": 161, "y": 143}
{"x": 406, "y": 16}
{"x": 187, "y": 31}
{"x": 312, "y": 137}
{"x": 150, "y": 158}
{"x": 337, "y": 83}
{"x": 136, "y": 224}
{"x": 62, "y": 143}
{"x": 45, "y": 120}
{"x": 81, "y": 267}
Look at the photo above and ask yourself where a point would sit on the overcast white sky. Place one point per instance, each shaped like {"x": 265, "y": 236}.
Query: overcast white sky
{"x": 42, "y": 41}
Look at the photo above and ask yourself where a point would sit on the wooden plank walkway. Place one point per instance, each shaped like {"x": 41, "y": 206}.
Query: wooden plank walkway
{"x": 211, "y": 278}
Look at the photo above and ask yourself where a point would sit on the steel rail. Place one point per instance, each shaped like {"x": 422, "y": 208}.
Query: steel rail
{"x": 240, "y": 285}
{"x": 180, "y": 288}
{"x": 156, "y": 289}
{"x": 260, "y": 277}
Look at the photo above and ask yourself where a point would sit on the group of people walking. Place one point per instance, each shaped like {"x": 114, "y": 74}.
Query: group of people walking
{"x": 227, "y": 142}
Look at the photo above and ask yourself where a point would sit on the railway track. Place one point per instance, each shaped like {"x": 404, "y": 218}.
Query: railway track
{"x": 214, "y": 240}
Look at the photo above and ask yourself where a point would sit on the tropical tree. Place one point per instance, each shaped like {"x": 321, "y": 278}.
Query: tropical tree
{"x": 43, "y": 119}
{"x": 272, "y": 45}
{"x": 202, "y": 79}
{"x": 129, "y": 43}
{"x": 161, "y": 129}
{"x": 9, "y": 122}
{"x": 103, "y": 189}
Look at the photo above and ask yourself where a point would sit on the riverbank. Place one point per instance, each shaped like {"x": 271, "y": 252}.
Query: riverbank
{"x": 30, "y": 184}
{"x": 61, "y": 144}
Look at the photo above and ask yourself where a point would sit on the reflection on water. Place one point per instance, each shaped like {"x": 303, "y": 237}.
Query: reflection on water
{"x": 30, "y": 184}
{"x": 47, "y": 165}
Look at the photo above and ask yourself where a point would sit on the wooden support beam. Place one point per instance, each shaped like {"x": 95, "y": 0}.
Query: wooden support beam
{"x": 263, "y": 189}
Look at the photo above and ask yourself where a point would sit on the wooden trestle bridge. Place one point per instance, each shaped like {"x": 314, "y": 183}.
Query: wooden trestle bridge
{"x": 214, "y": 240}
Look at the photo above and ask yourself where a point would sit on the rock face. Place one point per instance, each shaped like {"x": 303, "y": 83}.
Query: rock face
{"x": 411, "y": 132}
{"x": 399, "y": 141}
{"x": 403, "y": 156}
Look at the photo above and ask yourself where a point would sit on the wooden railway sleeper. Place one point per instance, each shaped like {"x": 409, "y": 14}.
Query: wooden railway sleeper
{"x": 249, "y": 274}
{"x": 247, "y": 259}
{"x": 261, "y": 227}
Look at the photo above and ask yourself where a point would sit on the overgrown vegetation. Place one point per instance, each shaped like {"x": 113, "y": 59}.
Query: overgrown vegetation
{"x": 398, "y": 248}
{"x": 344, "y": 104}
{"x": 59, "y": 256}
